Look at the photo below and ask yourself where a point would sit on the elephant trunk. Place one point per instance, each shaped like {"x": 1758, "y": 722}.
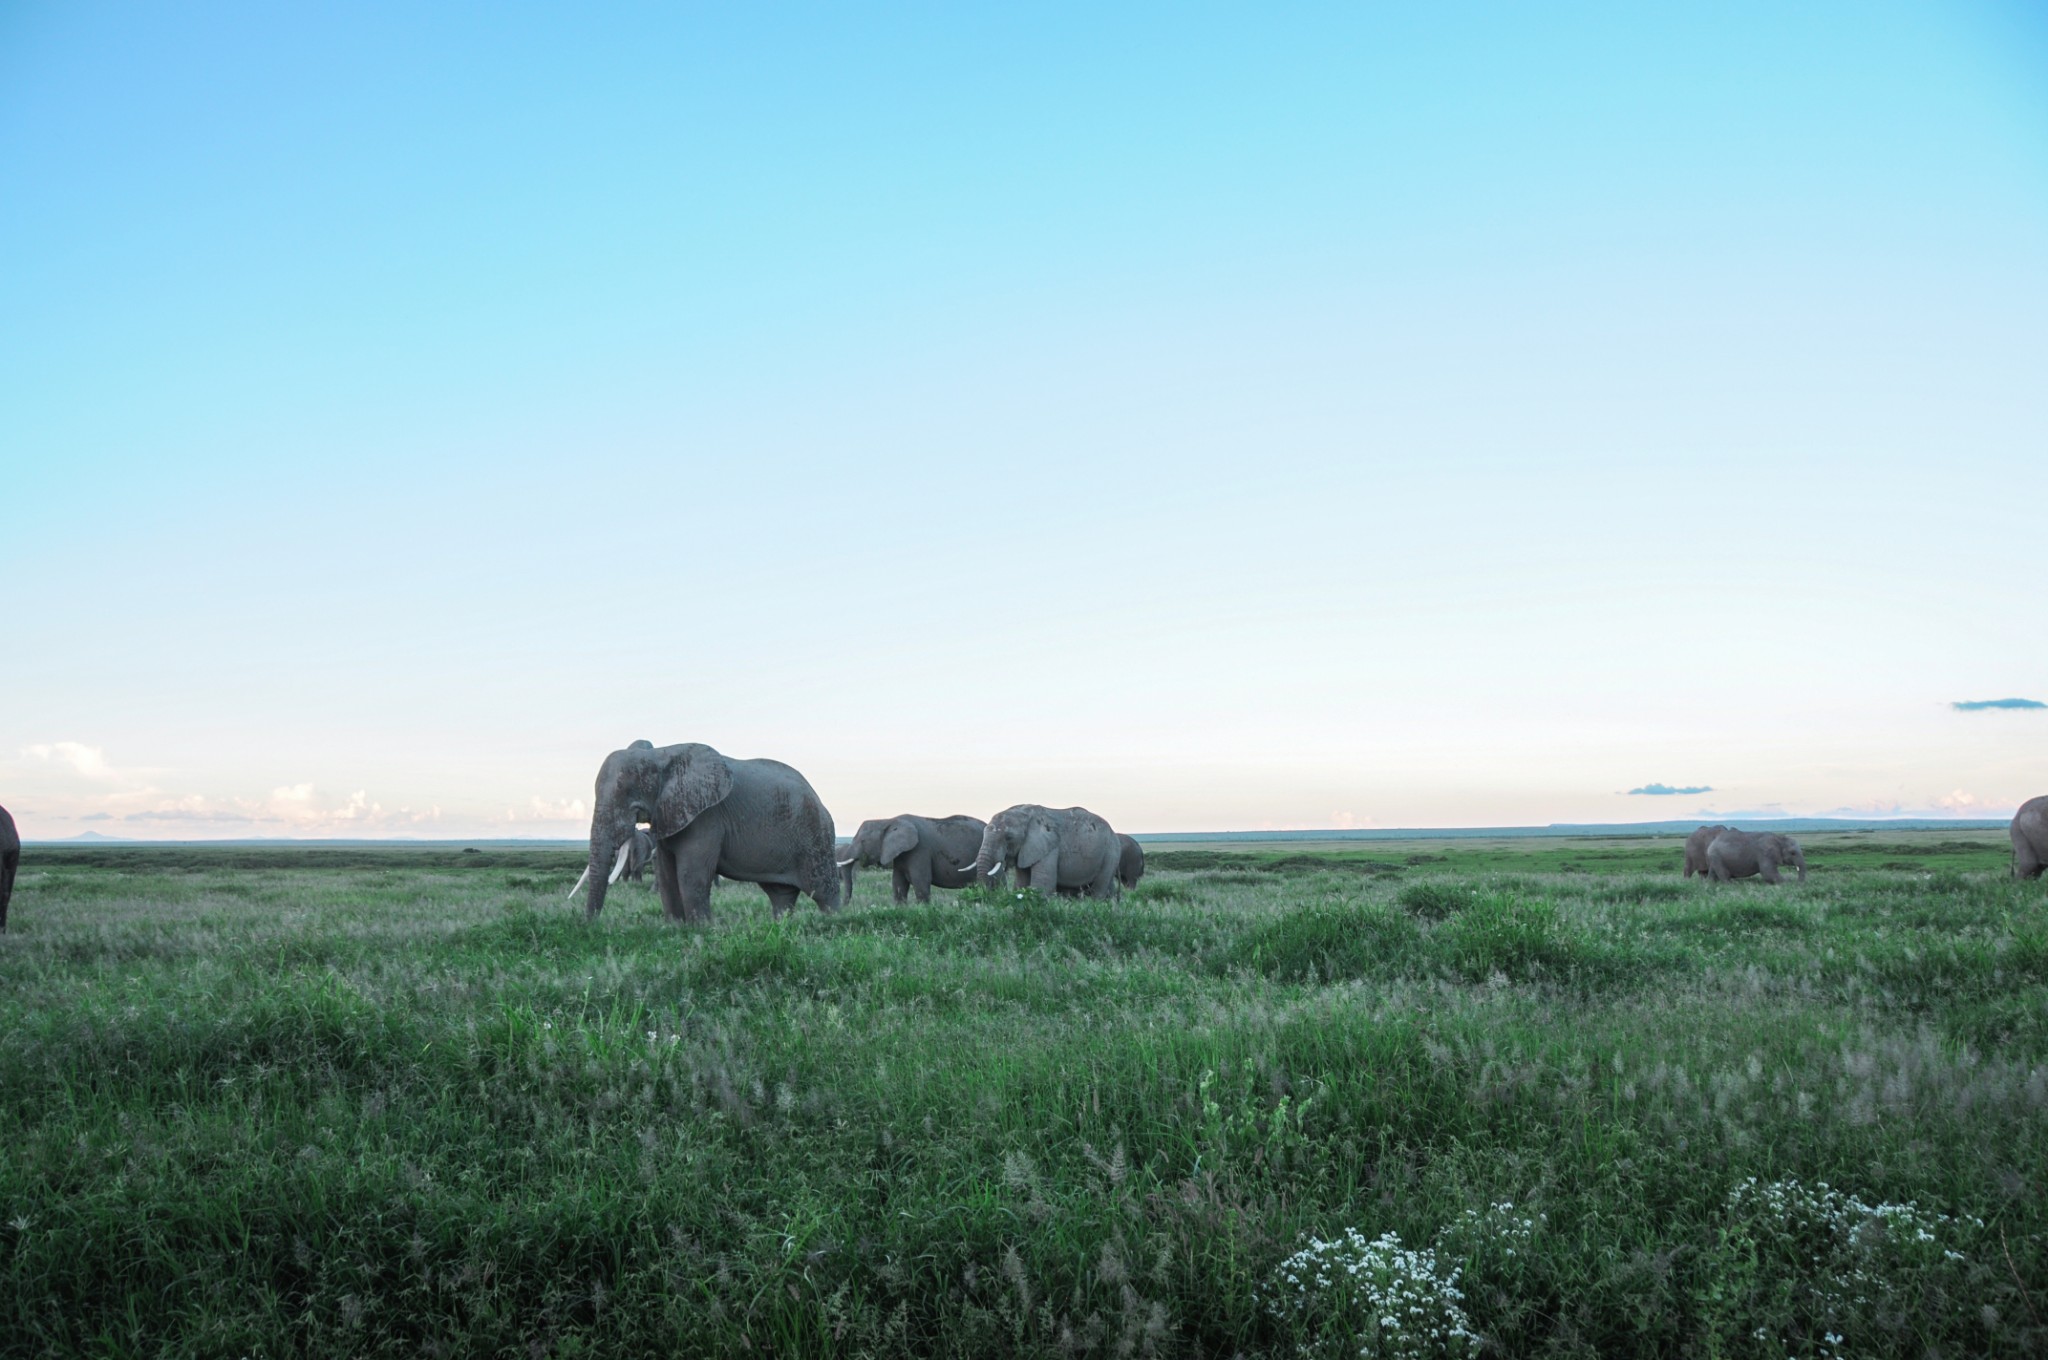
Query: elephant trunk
{"x": 991, "y": 848}
{"x": 605, "y": 844}
{"x": 1799, "y": 859}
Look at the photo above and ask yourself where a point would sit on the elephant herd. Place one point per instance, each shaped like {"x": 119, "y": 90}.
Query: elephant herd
{"x": 708, "y": 816}
{"x": 697, "y": 816}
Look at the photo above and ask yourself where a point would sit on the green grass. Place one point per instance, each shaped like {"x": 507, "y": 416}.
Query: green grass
{"x": 263, "y": 1102}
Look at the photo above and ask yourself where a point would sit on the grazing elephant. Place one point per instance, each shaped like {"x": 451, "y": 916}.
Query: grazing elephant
{"x": 10, "y": 860}
{"x": 2029, "y": 844}
{"x": 917, "y": 851}
{"x": 1738, "y": 854}
{"x": 1052, "y": 848}
{"x": 1696, "y": 849}
{"x": 753, "y": 821}
{"x": 1130, "y": 866}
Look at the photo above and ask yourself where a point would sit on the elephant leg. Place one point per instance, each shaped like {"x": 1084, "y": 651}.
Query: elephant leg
{"x": 921, "y": 877}
{"x": 691, "y": 867}
{"x": 899, "y": 881}
{"x": 9, "y": 862}
{"x": 846, "y": 884}
{"x": 781, "y": 898}
{"x": 2025, "y": 864}
{"x": 1768, "y": 872}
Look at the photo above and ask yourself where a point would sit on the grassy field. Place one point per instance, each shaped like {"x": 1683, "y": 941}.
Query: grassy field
{"x": 1537, "y": 1097}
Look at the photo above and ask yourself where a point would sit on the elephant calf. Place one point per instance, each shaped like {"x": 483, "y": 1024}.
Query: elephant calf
{"x": 753, "y": 821}
{"x": 1053, "y": 848}
{"x": 1130, "y": 865}
{"x": 2029, "y": 843}
{"x": 917, "y": 851}
{"x": 641, "y": 854}
{"x": 1739, "y": 854}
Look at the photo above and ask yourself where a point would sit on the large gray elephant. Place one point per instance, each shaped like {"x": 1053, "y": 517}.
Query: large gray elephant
{"x": 1696, "y": 849}
{"x": 1739, "y": 854}
{"x": 917, "y": 851}
{"x": 2029, "y": 843}
{"x": 10, "y": 860}
{"x": 1052, "y": 848}
{"x": 754, "y": 821}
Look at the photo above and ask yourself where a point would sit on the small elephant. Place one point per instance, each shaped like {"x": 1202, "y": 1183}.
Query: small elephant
{"x": 641, "y": 855}
{"x": 753, "y": 821}
{"x": 917, "y": 851}
{"x": 2029, "y": 844}
{"x": 1696, "y": 849}
{"x": 1052, "y": 848}
{"x": 10, "y": 860}
{"x": 1739, "y": 854}
{"x": 1130, "y": 866}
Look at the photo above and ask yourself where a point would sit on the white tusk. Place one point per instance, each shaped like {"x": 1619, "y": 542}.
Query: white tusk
{"x": 619, "y": 864}
{"x": 995, "y": 868}
{"x": 843, "y": 862}
{"x": 579, "y": 879}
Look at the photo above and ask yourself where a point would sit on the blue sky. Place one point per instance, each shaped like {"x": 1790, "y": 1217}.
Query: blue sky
{"x": 1392, "y": 415}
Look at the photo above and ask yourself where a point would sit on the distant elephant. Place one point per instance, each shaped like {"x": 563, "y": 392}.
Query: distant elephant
{"x": 10, "y": 860}
{"x": 1738, "y": 854}
{"x": 1052, "y": 848}
{"x": 642, "y": 853}
{"x": 917, "y": 851}
{"x": 2029, "y": 844}
{"x": 1696, "y": 849}
{"x": 1130, "y": 866}
{"x": 754, "y": 821}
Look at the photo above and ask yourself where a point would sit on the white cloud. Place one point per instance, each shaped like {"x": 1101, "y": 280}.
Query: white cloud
{"x": 540, "y": 809}
{"x": 87, "y": 761}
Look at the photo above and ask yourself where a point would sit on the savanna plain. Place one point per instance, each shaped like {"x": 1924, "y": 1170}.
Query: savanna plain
{"x": 1536, "y": 1097}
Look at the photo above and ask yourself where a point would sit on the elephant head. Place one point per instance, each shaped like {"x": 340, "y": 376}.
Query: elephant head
{"x": 878, "y": 842}
{"x": 669, "y": 787}
{"x": 1019, "y": 836}
{"x": 1790, "y": 853}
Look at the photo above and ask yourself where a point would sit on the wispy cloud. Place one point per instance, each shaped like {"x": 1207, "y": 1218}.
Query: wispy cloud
{"x": 1668, "y": 790}
{"x": 88, "y": 761}
{"x": 1979, "y": 705}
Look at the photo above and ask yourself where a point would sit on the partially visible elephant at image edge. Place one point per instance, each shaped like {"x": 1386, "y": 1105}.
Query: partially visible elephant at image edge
{"x": 1739, "y": 854}
{"x": 2029, "y": 841}
{"x": 1053, "y": 848}
{"x": 1696, "y": 849}
{"x": 919, "y": 853}
{"x": 753, "y": 821}
{"x": 10, "y": 860}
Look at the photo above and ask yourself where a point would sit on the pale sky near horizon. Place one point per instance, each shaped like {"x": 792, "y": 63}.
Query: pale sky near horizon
{"x": 1393, "y": 415}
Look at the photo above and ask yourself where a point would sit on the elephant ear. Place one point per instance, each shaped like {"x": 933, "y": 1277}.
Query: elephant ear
{"x": 698, "y": 778}
{"x": 897, "y": 840}
{"x": 1038, "y": 843}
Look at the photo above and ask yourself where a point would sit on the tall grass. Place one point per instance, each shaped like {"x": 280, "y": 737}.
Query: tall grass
{"x": 414, "y": 1105}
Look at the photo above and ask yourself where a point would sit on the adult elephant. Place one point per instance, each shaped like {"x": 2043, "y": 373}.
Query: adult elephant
{"x": 917, "y": 851}
{"x": 2029, "y": 843}
{"x": 10, "y": 860}
{"x": 1052, "y": 848}
{"x": 1696, "y": 849}
{"x": 754, "y": 821}
{"x": 1739, "y": 854}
